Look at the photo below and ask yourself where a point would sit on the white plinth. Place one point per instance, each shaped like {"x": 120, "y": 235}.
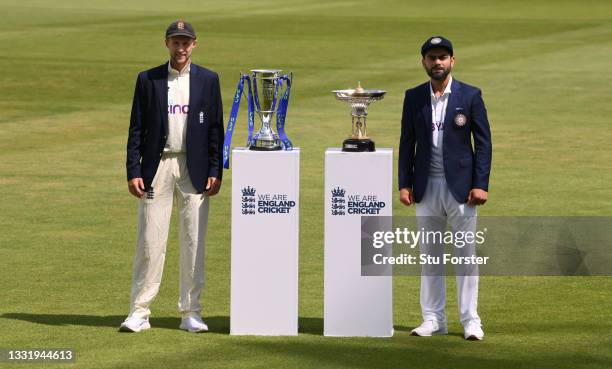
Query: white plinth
{"x": 355, "y": 305}
{"x": 265, "y": 235}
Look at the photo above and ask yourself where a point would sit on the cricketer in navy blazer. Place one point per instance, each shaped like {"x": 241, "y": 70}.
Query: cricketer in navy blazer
{"x": 149, "y": 126}
{"x": 465, "y": 167}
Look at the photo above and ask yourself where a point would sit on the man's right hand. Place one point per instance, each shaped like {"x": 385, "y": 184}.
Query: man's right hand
{"x": 136, "y": 187}
{"x": 406, "y": 196}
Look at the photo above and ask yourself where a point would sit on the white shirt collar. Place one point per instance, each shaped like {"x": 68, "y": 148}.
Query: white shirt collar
{"x": 186, "y": 69}
{"x": 447, "y": 90}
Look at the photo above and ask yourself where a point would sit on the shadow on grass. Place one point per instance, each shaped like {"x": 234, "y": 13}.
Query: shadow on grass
{"x": 216, "y": 324}
{"x": 310, "y": 326}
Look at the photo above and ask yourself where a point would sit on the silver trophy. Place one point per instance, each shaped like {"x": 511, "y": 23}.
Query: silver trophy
{"x": 359, "y": 99}
{"x": 266, "y": 96}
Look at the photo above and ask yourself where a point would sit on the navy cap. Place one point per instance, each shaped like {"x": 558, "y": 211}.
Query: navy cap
{"x": 437, "y": 41}
{"x": 180, "y": 28}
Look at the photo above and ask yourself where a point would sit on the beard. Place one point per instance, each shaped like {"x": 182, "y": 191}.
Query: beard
{"x": 438, "y": 75}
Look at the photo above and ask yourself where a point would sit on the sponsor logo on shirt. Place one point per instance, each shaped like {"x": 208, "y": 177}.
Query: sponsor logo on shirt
{"x": 437, "y": 126}
{"x": 178, "y": 109}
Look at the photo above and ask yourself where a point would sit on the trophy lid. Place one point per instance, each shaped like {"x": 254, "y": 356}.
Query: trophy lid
{"x": 359, "y": 92}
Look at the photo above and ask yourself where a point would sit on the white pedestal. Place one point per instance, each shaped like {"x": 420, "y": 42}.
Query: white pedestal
{"x": 355, "y": 305}
{"x": 265, "y": 235}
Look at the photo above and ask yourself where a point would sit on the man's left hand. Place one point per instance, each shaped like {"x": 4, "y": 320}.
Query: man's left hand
{"x": 477, "y": 196}
{"x": 213, "y": 185}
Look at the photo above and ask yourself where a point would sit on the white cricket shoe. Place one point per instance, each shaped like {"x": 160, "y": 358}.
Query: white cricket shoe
{"x": 429, "y": 328}
{"x": 134, "y": 325}
{"x": 473, "y": 331}
{"x": 193, "y": 324}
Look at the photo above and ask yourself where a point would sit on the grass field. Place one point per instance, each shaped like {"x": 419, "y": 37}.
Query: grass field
{"x": 68, "y": 224}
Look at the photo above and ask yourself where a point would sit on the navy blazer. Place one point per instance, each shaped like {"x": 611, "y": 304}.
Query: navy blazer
{"x": 149, "y": 126}
{"x": 465, "y": 167}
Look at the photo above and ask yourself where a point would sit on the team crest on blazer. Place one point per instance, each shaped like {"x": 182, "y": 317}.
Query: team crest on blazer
{"x": 460, "y": 120}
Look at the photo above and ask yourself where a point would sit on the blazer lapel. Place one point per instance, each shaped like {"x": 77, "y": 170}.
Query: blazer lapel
{"x": 426, "y": 111}
{"x": 453, "y": 104}
{"x": 161, "y": 90}
{"x": 195, "y": 94}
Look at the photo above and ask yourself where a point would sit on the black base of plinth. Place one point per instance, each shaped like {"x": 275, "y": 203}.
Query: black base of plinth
{"x": 357, "y": 145}
{"x": 262, "y": 148}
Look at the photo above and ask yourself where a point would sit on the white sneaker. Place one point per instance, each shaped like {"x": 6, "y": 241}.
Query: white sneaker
{"x": 134, "y": 325}
{"x": 473, "y": 331}
{"x": 429, "y": 328}
{"x": 193, "y": 324}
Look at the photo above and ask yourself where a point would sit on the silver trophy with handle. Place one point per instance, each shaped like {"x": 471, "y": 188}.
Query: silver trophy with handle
{"x": 359, "y": 99}
{"x": 266, "y": 95}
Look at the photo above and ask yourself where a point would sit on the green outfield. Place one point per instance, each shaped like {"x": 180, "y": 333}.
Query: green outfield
{"x": 68, "y": 224}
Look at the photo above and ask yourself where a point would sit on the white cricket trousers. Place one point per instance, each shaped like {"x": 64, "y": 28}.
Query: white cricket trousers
{"x": 171, "y": 181}
{"x": 437, "y": 210}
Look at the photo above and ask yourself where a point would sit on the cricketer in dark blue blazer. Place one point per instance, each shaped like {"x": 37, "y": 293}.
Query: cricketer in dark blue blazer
{"x": 466, "y": 167}
{"x": 149, "y": 126}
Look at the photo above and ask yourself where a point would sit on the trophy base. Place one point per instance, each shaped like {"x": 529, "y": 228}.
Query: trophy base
{"x": 266, "y": 146}
{"x": 358, "y": 145}
{"x": 262, "y": 148}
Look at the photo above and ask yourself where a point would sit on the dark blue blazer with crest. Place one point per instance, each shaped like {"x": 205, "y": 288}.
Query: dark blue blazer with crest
{"x": 465, "y": 167}
{"x": 149, "y": 126}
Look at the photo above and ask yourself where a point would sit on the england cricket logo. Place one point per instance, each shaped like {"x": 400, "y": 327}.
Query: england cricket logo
{"x": 248, "y": 200}
{"x": 338, "y": 202}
